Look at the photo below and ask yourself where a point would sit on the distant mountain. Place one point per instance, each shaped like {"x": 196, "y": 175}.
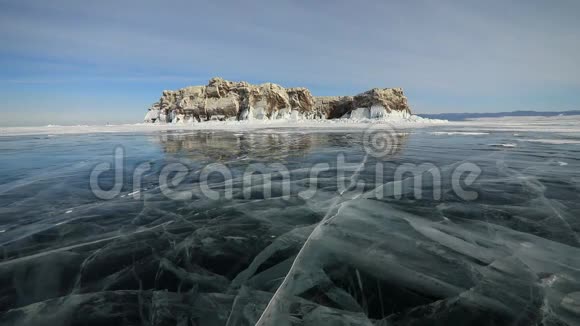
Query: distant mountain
{"x": 465, "y": 116}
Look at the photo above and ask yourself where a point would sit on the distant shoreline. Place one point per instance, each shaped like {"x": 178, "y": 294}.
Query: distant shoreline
{"x": 465, "y": 116}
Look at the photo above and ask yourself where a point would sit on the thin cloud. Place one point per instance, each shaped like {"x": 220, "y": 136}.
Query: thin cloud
{"x": 440, "y": 52}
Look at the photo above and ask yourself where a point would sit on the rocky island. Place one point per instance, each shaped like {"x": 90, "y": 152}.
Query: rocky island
{"x": 226, "y": 100}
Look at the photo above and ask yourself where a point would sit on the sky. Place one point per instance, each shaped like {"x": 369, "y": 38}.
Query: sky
{"x": 92, "y": 62}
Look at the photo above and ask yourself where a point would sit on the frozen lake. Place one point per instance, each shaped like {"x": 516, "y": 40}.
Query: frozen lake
{"x": 472, "y": 223}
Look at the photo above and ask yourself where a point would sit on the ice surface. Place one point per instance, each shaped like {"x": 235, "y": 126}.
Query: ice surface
{"x": 558, "y": 124}
{"x": 336, "y": 256}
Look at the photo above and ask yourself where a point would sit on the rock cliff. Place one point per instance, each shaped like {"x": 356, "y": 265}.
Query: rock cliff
{"x": 226, "y": 100}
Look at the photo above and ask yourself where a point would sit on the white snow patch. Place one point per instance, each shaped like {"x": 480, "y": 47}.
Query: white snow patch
{"x": 504, "y": 145}
{"x": 68, "y": 212}
{"x": 553, "y": 141}
{"x": 259, "y": 113}
{"x": 451, "y": 133}
{"x": 571, "y": 302}
{"x": 378, "y": 112}
{"x": 565, "y": 124}
{"x": 549, "y": 281}
{"x": 358, "y": 113}
{"x": 152, "y": 115}
{"x": 295, "y": 121}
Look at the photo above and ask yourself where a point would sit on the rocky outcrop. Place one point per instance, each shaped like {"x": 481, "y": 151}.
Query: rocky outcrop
{"x": 226, "y": 100}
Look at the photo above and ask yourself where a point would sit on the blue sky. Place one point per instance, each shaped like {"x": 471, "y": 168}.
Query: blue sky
{"x": 77, "y": 62}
